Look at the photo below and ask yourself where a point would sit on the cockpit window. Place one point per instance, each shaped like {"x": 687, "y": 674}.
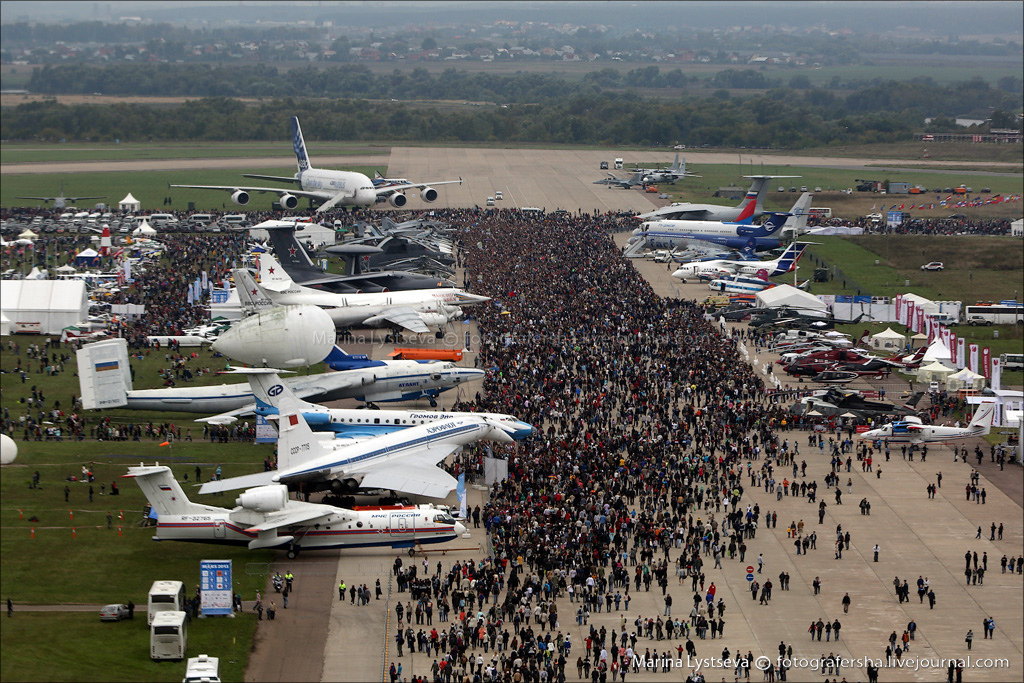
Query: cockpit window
{"x": 444, "y": 518}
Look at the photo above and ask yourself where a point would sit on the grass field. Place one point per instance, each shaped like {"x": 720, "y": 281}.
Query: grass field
{"x": 14, "y": 153}
{"x": 89, "y": 650}
{"x": 81, "y": 560}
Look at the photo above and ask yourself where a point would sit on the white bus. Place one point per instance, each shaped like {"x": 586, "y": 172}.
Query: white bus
{"x": 168, "y": 636}
{"x": 994, "y": 314}
{"x": 165, "y": 596}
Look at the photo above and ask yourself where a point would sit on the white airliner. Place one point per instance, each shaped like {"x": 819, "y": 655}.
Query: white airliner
{"x": 784, "y": 264}
{"x": 416, "y": 310}
{"x": 911, "y": 430}
{"x": 265, "y": 517}
{"x": 105, "y": 381}
{"x": 351, "y": 423}
{"x": 328, "y": 187}
{"x": 403, "y": 461}
{"x": 750, "y": 208}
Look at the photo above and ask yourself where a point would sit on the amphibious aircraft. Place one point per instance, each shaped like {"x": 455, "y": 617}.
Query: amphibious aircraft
{"x": 751, "y": 207}
{"x": 265, "y": 517}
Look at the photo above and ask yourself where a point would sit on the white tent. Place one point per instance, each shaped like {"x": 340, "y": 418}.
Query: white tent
{"x": 5, "y": 324}
{"x": 144, "y": 230}
{"x": 933, "y": 372}
{"x": 965, "y": 379}
{"x": 66, "y": 268}
{"x": 27, "y": 234}
{"x": 888, "y": 339}
{"x": 1017, "y": 228}
{"x": 54, "y": 304}
{"x": 129, "y": 203}
{"x": 927, "y": 305}
{"x": 788, "y": 295}
{"x": 937, "y": 352}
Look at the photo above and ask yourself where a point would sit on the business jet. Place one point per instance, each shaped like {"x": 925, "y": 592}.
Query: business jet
{"x": 348, "y": 423}
{"x": 265, "y": 517}
{"x": 911, "y": 430}
{"x": 328, "y": 187}
{"x": 404, "y": 461}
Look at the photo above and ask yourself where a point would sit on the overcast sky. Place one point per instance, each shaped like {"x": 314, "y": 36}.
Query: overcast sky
{"x": 975, "y": 19}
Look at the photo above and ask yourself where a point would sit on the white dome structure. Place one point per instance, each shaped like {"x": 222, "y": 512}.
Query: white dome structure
{"x": 8, "y": 450}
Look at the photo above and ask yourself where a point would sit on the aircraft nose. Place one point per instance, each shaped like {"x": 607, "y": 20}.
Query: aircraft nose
{"x": 460, "y": 528}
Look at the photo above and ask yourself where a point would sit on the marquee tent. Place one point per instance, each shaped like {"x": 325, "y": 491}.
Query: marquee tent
{"x": 965, "y": 379}
{"x": 933, "y": 372}
{"x": 888, "y": 339}
{"x": 129, "y": 203}
{"x": 54, "y": 304}
{"x": 87, "y": 257}
{"x": 790, "y": 296}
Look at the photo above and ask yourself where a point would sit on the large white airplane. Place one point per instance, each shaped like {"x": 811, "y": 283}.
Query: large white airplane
{"x": 353, "y": 423}
{"x": 416, "y": 310}
{"x": 764, "y": 269}
{"x": 911, "y": 430}
{"x": 328, "y": 187}
{"x": 734, "y": 235}
{"x": 105, "y": 381}
{"x": 403, "y": 461}
{"x": 750, "y": 208}
{"x": 265, "y": 517}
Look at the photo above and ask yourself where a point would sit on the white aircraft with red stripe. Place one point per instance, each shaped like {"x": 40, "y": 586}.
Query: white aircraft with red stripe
{"x": 911, "y": 430}
{"x": 265, "y": 517}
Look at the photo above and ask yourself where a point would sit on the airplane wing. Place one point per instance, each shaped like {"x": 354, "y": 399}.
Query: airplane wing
{"x": 301, "y": 515}
{"x": 229, "y": 416}
{"x": 415, "y": 479}
{"x": 318, "y": 196}
{"x": 386, "y": 190}
{"x": 406, "y": 318}
{"x": 280, "y": 179}
{"x": 246, "y": 481}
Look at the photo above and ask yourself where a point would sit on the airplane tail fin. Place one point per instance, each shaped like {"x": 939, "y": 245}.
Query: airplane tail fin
{"x": 339, "y": 360}
{"x": 747, "y": 207}
{"x": 104, "y": 374}
{"x": 296, "y": 442}
{"x": 798, "y": 221}
{"x": 299, "y": 146}
{"x": 163, "y": 492}
{"x": 787, "y": 262}
{"x": 676, "y": 165}
{"x": 272, "y": 275}
{"x": 775, "y": 222}
{"x": 760, "y": 187}
{"x": 250, "y": 294}
{"x": 292, "y": 255}
{"x": 983, "y": 417}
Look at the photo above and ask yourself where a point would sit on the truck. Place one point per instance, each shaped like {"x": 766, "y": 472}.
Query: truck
{"x": 618, "y": 162}
{"x": 994, "y": 314}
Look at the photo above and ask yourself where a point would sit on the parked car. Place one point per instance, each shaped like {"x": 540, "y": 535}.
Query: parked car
{"x": 115, "y": 612}
{"x": 934, "y": 265}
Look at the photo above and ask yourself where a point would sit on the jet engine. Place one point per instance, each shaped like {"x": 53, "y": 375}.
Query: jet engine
{"x": 288, "y": 201}
{"x": 398, "y": 200}
{"x": 240, "y": 197}
{"x": 339, "y": 486}
{"x": 428, "y": 194}
{"x": 264, "y": 498}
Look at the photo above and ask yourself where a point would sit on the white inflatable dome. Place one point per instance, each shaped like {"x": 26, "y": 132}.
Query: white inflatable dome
{"x": 8, "y": 450}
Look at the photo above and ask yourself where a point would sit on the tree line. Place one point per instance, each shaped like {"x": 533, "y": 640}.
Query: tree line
{"x": 538, "y": 108}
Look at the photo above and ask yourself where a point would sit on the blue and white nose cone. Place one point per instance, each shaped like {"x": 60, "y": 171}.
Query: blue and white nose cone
{"x": 282, "y": 337}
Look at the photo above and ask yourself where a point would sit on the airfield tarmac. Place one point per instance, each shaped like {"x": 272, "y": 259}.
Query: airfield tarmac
{"x": 916, "y": 535}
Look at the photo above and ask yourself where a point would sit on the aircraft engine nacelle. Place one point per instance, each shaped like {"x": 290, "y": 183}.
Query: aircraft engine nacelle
{"x": 428, "y": 194}
{"x": 288, "y": 201}
{"x": 339, "y": 486}
{"x": 398, "y": 200}
{"x": 264, "y": 498}
{"x": 240, "y": 197}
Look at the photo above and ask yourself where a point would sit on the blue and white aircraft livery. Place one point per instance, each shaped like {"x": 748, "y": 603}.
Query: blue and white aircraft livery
{"x": 404, "y": 461}
{"x": 265, "y": 517}
{"x": 911, "y": 430}
{"x": 326, "y": 187}
{"x": 347, "y": 423}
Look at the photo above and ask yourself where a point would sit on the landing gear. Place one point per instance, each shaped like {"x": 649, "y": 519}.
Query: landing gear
{"x": 439, "y": 335}
{"x": 433, "y": 402}
{"x": 293, "y": 552}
